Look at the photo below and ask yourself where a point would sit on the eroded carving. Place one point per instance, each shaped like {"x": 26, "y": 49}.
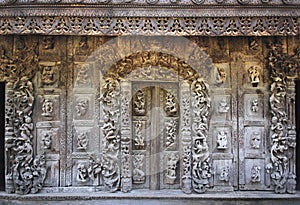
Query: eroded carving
{"x": 82, "y": 106}
{"x": 221, "y": 76}
{"x": 139, "y": 139}
{"x": 47, "y": 107}
{"x": 255, "y": 174}
{"x": 48, "y": 42}
{"x": 139, "y": 175}
{"x": 139, "y": 105}
{"x": 171, "y": 167}
{"x": 224, "y": 175}
{"x": 82, "y": 173}
{"x": 255, "y": 140}
{"x": 254, "y": 75}
{"x": 82, "y": 140}
{"x": 222, "y": 141}
{"x": 47, "y": 139}
{"x": 83, "y": 77}
{"x": 254, "y": 105}
{"x": 223, "y": 106}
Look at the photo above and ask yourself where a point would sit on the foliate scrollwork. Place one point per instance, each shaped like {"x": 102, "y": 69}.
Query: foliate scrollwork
{"x": 26, "y": 172}
{"x": 201, "y": 166}
{"x": 110, "y": 130}
{"x": 283, "y": 69}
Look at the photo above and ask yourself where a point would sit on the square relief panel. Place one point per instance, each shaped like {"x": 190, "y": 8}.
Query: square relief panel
{"x": 221, "y": 139}
{"x": 83, "y": 107}
{"x": 80, "y": 173}
{"x": 48, "y": 107}
{"x": 83, "y": 75}
{"x": 253, "y": 107}
{"x": 222, "y": 108}
{"x": 223, "y": 172}
{"x": 221, "y": 75}
{"x": 83, "y": 141}
{"x": 255, "y": 173}
{"x": 254, "y": 74}
{"x": 49, "y": 74}
{"x": 254, "y": 141}
{"x": 48, "y": 140}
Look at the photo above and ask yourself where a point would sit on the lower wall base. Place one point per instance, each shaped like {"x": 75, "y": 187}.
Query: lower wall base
{"x": 146, "y": 197}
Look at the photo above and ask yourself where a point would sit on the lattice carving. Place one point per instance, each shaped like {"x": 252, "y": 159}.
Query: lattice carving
{"x": 25, "y": 172}
{"x": 205, "y": 26}
{"x": 284, "y": 69}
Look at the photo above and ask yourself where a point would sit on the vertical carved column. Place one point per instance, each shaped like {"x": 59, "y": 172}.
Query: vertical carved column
{"x": 126, "y": 176}
{"x": 186, "y": 139}
{"x": 111, "y": 134}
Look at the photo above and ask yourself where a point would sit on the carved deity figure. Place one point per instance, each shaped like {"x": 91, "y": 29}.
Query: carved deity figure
{"x": 224, "y": 175}
{"x": 109, "y": 129}
{"x": 255, "y": 174}
{"x": 255, "y": 140}
{"x": 171, "y": 106}
{"x": 26, "y": 128}
{"x": 46, "y": 140}
{"x": 139, "y": 104}
{"x": 223, "y": 106}
{"x": 48, "y": 75}
{"x": 82, "y": 173}
{"x": 222, "y": 141}
{"x": 82, "y": 141}
{"x": 171, "y": 166}
{"x": 221, "y": 76}
{"x": 138, "y": 173}
{"x": 47, "y": 107}
{"x": 94, "y": 168}
{"x": 82, "y": 75}
{"x": 254, "y": 75}
{"x": 254, "y": 105}
{"x": 82, "y": 107}
{"x": 139, "y": 138}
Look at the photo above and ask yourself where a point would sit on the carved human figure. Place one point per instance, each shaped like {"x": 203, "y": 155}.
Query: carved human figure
{"x": 94, "y": 168}
{"x": 171, "y": 166}
{"x": 254, "y": 105}
{"x": 139, "y": 138}
{"x": 82, "y": 173}
{"x": 224, "y": 175}
{"x": 47, "y": 140}
{"x": 222, "y": 141}
{"x": 223, "y": 106}
{"x": 83, "y": 43}
{"x": 255, "y": 174}
{"x": 48, "y": 75}
{"x": 109, "y": 129}
{"x": 82, "y": 107}
{"x": 255, "y": 140}
{"x": 82, "y": 141}
{"x": 170, "y": 104}
{"x": 26, "y": 128}
{"x": 221, "y": 76}
{"x": 47, "y": 107}
{"x": 139, "y": 105}
{"x": 82, "y": 75}
{"x": 138, "y": 173}
{"x": 254, "y": 75}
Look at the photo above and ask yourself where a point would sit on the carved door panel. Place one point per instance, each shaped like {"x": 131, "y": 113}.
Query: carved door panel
{"x": 155, "y": 142}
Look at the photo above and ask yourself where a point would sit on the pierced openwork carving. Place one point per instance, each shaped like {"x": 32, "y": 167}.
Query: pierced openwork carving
{"x": 284, "y": 69}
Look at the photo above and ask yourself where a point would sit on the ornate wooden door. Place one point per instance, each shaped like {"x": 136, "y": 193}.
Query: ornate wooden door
{"x": 155, "y": 142}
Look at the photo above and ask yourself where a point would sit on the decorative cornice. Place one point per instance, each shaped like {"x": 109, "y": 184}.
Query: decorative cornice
{"x": 205, "y": 26}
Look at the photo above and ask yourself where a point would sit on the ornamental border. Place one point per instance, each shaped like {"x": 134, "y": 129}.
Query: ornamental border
{"x": 179, "y": 26}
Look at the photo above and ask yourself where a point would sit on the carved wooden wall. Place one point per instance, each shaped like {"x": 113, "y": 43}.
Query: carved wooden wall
{"x": 165, "y": 112}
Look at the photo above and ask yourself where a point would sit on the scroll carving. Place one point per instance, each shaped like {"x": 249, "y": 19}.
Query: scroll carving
{"x": 284, "y": 69}
{"x": 25, "y": 172}
{"x": 110, "y": 130}
{"x": 201, "y": 166}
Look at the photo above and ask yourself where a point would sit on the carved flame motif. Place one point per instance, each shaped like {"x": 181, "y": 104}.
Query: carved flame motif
{"x": 201, "y": 167}
{"x": 283, "y": 137}
{"x": 110, "y": 129}
{"x": 26, "y": 173}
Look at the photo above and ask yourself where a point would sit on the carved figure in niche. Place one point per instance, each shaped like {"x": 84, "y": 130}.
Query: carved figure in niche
{"x": 109, "y": 129}
{"x": 95, "y": 168}
{"x": 138, "y": 173}
{"x": 26, "y": 128}
{"x": 83, "y": 43}
{"x": 139, "y": 138}
{"x": 171, "y": 106}
{"x": 139, "y": 105}
{"x": 48, "y": 42}
{"x": 221, "y": 76}
{"x": 82, "y": 173}
{"x": 82, "y": 141}
{"x": 255, "y": 140}
{"x": 82, "y": 107}
{"x": 255, "y": 174}
{"x": 47, "y": 107}
{"x": 223, "y": 106}
{"x": 171, "y": 133}
{"x": 253, "y": 45}
{"x": 46, "y": 140}
{"x": 48, "y": 75}
{"x": 254, "y": 75}
{"x": 224, "y": 175}
{"x": 82, "y": 75}
{"x": 171, "y": 166}
{"x": 222, "y": 141}
{"x": 254, "y": 105}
